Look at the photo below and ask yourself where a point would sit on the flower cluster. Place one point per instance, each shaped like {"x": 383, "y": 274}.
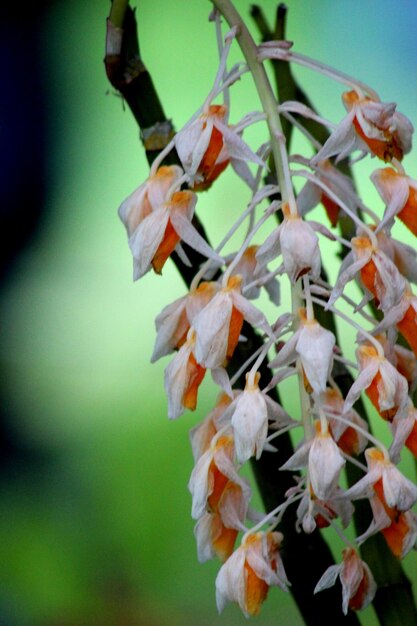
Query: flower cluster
{"x": 211, "y": 328}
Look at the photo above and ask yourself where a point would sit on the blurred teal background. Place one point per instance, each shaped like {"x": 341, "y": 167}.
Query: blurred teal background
{"x": 96, "y": 526}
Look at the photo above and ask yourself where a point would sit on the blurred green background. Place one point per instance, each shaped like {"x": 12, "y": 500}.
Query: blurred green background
{"x": 95, "y": 521}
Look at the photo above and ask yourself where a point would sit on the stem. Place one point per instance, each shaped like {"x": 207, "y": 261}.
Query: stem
{"x": 266, "y": 96}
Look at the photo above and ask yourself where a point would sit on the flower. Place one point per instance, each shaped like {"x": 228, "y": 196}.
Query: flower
{"x": 218, "y": 325}
{"x": 386, "y": 388}
{"x": 151, "y": 195}
{"x": 314, "y": 345}
{"x": 372, "y": 126}
{"x": 358, "y": 584}
{"x": 248, "y": 269}
{"x": 183, "y": 377}
{"x": 220, "y": 499}
{"x": 297, "y": 242}
{"x": 202, "y": 434}
{"x": 248, "y": 573}
{"x": 250, "y": 412}
{"x": 324, "y": 461}
{"x": 383, "y": 478}
{"x": 207, "y": 144}
{"x": 399, "y": 192}
{"x": 311, "y": 194}
{"x": 174, "y": 321}
{"x": 379, "y": 276}
{"x": 348, "y": 438}
{"x": 314, "y": 513}
{"x": 159, "y": 232}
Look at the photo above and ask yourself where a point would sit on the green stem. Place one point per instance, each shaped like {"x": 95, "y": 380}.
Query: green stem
{"x": 118, "y": 12}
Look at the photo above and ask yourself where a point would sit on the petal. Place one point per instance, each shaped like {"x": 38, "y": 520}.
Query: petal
{"x": 145, "y": 241}
{"x": 250, "y": 425}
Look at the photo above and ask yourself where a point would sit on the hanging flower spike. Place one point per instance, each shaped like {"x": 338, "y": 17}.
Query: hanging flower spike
{"x": 347, "y": 437}
{"x": 311, "y": 194}
{"x": 246, "y": 576}
{"x": 399, "y": 192}
{"x": 358, "y": 584}
{"x": 370, "y": 126}
{"x": 174, "y": 321}
{"x": 183, "y": 376}
{"x": 219, "y": 324}
{"x": 207, "y": 145}
{"x": 382, "y": 383}
{"x": 314, "y": 345}
{"x": 151, "y": 195}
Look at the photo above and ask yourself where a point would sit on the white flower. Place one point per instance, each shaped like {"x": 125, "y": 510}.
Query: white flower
{"x": 219, "y": 324}
{"x": 216, "y": 486}
{"x": 369, "y": 126}
{"x": 324, "y": 461}
{"x": 174, "y": 321}
{"x": 250, "y": 412}
{"x": 396, "y": 490}
{"x": 314, "y": 345}
{"x": 358, "y": 584}
{"x": 151, "y": 195}
{"x": 183, "y": 377}
{"x": 247, "y": 575}
{"x": 384, "y": 385}
{"x": 399, "y": 192}
{"x": 206, "y": 145}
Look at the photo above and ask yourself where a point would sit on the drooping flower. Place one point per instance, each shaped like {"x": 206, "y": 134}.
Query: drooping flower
{"x": 311, "y": 194}
{"x": 248, "y": 573}
{"x": 158, "y": 234}
{"x": 348, "y": 438}
{"x": 386, "y": 480}
{"x": 358, "y": 584}
{"x": 207, "y": 145}
{"x": 219, "y": 324}
{"x": 297, "y": 242}
{"x": 174, "y": 321}
{"x": 379, "y": 276}
{"x": 382, "y": 383}
{"x": 248, "y": 269}
{"x": 399, "y": 192}
{"x": 314, "y": 345}
{"x": 151, "y": 195}
{"x": 202, "y": 434}
{"x": 220, "y": 499}
{"x": 250, "y": 412}
{"x": 314, "y": 513}
{"x": 371, "y": 126}
{"x": 391, "y": 497}
{"x": 324, "y": 461}
{"x": 183, "y": 377}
